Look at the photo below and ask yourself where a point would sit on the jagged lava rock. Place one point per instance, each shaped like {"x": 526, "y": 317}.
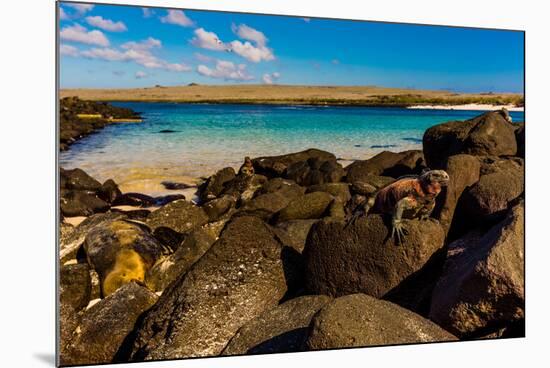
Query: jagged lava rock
{"x": 282, "y": 329}
{"x": 75, "y": 287}
{"x": 489, "y": 198}
{"x": 309, "y": 206}
{"x": 238, "y": 278}
{"x": 338, "y": 190}
{"x": 484, "y": 135}
{"x": 482, "y": 286}
{"x": 180, "y": 215}
{"x": 106, "y": 324}
{"x": 315, "y": 171}
{"x": 463, "y": 172}
{"x": 361, "y": 320}
{"x": 273, "y": 166}
{"x": 363, "y": 258}
{"x": 81, "y": 203}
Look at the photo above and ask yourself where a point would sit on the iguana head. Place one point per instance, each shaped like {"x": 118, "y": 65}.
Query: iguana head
{"x": 437, "y": 178}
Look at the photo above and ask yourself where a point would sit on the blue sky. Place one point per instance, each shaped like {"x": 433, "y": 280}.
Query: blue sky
{"x": 104, "y": 46}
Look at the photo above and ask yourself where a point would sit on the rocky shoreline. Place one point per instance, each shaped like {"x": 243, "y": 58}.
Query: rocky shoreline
{"x": 79, "y": 118}
{"x": 269, "y": 262}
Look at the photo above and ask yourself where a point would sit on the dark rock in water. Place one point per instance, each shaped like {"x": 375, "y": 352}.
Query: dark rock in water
{"x": 482, "y": 287}
{"x": 168, "y": 131}
{"x": 363, "y": 258}
{"x": 77, "y": 179}
{"x": 214, "y": 186}
{"x": 485, "y": 135}
{"x": 383, "y": 146}
{"x": 310, "y": 206}
{"x": 164, "y": 200}
{"x": 338, "y": 190}
{"x": 106, "y": 324}
{"x": 463, "y": 172}
{"x": 282, "y": 329}
{"x": 75, "y": 288}
{"x": 134, "y": 199}
{"x": 356, "y": 145}
{"x": 120, "y": 252}
{"x": 361, "y": 320}
{"x": 488, "y": 200}
{"x": 170, "y": 268}
{"x": 170, "y": 185}
{"x": 216, "y": 208}
{"x": 273, "y": 166}
{"x": 180, "y": 216}
{"x": 296, "y": 232}
{"x": 71, "y": 243}
{"x": 109, "y": 191}
{"x": 238, "y": 278}
{"x": 168, "y": 237}
{"x": 81, "y": 203}
{"x": 411, "y": 139}
{"x": 315, "y": 171}
{"x": 386, "y": 163}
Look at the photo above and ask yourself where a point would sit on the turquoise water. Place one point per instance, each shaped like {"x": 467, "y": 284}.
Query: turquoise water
{"x": 208, "y": 137}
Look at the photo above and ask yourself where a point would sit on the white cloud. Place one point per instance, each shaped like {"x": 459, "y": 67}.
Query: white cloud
{"x": 77, "y": 33}
{"x": 80, "y": 8}
{"x": 270, "y": 78}
{"x": 62, "y": 14}
{"x": 175, "y": 67}
{"x": 140, "y": 75}
{"x": 106, "y": 24}
{"x": 225, "y": 70}
{"x": 177, "y": 17}
{"x": 146, "y": 44}
{"x": 107, "y": 54}
{"x": 207, "y": 40}
{"x": 248, "y": 33}
{"x": 203, "y": 58}
{"x": 307, "y": 20}
{"x": 251, "y": 52}
{"x": 147, "y": 12}
{"x": 138, "y": 52}
{"x": 68, "y": 50}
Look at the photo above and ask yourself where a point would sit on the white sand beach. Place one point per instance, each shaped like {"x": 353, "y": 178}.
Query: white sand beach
{"x": 476, "y": 107}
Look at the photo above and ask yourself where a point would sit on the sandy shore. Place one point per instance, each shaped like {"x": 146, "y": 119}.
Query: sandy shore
{"x": 293, "y": 95}
{"x": 475, "y": 107}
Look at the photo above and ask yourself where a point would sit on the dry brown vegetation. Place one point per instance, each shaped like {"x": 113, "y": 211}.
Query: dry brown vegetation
{"x": 280, "y": 94}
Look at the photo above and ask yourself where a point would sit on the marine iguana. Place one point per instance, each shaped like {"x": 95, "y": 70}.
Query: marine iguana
{"x": 247, "y": 169}
{"x": 409, "y": 197}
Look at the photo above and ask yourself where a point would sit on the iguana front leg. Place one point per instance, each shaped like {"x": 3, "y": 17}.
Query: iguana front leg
{"x": 397, "y": 226}
{"x": 427, "y": 211}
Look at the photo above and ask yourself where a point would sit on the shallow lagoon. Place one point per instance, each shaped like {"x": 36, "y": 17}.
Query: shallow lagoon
{"x": 191, "y": 140}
